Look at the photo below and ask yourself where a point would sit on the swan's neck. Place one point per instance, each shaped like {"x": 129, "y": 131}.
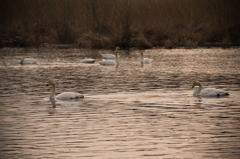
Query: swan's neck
{"x": 198, "y": 90}
{"x": 141, "y": 57}
{"x": 53, "y": 91}
{"x": 117, "y": 48}
{"x": 117, "y": 59}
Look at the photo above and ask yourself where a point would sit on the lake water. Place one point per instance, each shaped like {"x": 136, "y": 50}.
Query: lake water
{"x": 128, "y": 112}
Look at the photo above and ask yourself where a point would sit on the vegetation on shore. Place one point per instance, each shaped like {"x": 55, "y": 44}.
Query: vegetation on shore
{"x": 126, "y": 23}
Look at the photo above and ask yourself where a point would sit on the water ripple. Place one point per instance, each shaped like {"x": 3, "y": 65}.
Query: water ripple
{"x": 128, "y": 112}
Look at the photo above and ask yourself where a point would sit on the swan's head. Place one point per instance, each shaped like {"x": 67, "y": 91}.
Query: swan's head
{"x": 22, "y": 59}
{"x": 118, "y": 52}
{"x": 117, "y": 48}
{"x": 51, "y": 82}
{"x": 196, "y": 83}
{"x": 142, "y": 52}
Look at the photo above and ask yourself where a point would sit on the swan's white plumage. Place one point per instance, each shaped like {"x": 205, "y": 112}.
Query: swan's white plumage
{"x": 107, "y": 62}
{"x": 212, "y": 92}
{"x": 110, "y": 56}
{"x": 69, "y": 95}
{"x": 27, "y": 61}
{"x": 87, "y": 61}
{"x": 145, "y": 60}
{"x": 110, "y": 62}
{"x": 64, "y": 95}
{"x": 208, "y": 92}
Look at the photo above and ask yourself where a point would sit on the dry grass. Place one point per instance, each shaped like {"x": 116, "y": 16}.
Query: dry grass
{"x": 189, "y": 44}
{"x": 140, "y": 41}
{"x": 127, "y": 23}
{"x": 169, "y": 44}
{"x": 91, "y": 40}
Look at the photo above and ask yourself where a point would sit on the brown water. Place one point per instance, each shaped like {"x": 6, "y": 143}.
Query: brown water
{"x": 128, "y": 112}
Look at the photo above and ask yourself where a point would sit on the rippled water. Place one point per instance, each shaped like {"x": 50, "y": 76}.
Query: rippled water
{"x": 128, "y": 112}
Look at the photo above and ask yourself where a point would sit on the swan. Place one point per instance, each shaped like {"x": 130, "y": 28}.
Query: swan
{"x": 110, "y": 62}
{"x": 207, "y": 92}
{"x": 64, "y": 95}
{"x": 87, "y": 61}
{"x": 145, "y": 60}
{"x": 110, "y": 56}
{"x": 27, "y": 61}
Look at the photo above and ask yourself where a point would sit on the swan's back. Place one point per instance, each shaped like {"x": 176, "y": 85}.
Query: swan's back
{"x": 69, "y": 95}
{"x": 27, "y": 61}
{"x": 213, "y": 92}
{"x": 147, "y": 60}
{"x": 87, "y": 61}
{"x": 108, "y": 56}
{"x": 107, "y": 62}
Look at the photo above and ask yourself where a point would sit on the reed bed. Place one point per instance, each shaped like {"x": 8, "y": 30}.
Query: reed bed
{"x": 126, "y": 23}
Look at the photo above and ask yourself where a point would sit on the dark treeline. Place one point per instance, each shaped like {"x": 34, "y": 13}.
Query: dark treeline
{"x": 127, "y": 23}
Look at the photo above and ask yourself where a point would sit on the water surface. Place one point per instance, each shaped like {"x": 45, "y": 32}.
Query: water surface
{"x": 128, "y": 112}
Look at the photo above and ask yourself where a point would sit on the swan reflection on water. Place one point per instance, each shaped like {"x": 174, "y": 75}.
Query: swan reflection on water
{"x": 53, "y": 101}
{"x": 198, "y": 102}
{"x": 52, "y": 110}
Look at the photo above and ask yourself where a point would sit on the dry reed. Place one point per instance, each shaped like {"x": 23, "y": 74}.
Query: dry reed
{"x": 126, "y": 23}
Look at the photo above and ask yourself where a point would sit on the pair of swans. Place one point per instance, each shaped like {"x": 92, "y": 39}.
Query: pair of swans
{"x": 111, "y": 56}
{"x": 113, "y": 63}
{"x": 27, "y": 61}
{"x": 105, "y": 56}
{"x": 207, "y": 92}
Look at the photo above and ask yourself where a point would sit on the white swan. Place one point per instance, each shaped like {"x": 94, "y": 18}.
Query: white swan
{"x": 145, "y": 60}
{"x": 110, "y": 56}
{"x": 27, "y": 61}
{"x": 110, "y": 62}
{"x": 64, "y": 95}
{"x": 87, "y": 61}
{"x": 208, "y": 92}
